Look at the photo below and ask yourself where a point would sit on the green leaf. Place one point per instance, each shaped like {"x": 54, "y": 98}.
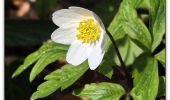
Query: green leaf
{"x": 156, "y": 21}
{"x": 157, "y": 13}
{"x": 146, "y": 78}
{"x": 144, "y": 4}
{"x": 135, "y": 27}
{"x": 101, "y": 91}
{"x": 66, "y": 73}
{"x": 63, "y": 78}
{"x": 50, "y": 53}
{"x": 49, "y": 45}
{"x": 115, "y": 28}
{"x": 46, "y": 59}
{"x": 110, "y": 59}
{"x": 39, "y": 54}
{"x": 133, "y": 3}
{"x": 127, "y": 21}
{"x": 30, "y": 59}
{"x": 161, "y": 57}
{"x": 45, "y": 89}
{"x": 162, "y": 84}
{"x": 128, "y": 50}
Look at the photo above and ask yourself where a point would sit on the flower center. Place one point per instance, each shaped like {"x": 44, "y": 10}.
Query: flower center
{"x": 89, "y": 31}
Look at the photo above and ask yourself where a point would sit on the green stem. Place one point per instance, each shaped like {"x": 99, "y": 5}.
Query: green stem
{"x": 117, "y": 52}
{"x": 127, "y": 98}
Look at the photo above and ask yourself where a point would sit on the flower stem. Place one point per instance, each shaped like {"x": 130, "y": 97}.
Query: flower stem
{"x": 116, "y": 48}
{"x": 118, "y": 53}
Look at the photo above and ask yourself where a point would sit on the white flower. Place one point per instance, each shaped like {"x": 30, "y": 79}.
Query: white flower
{"x": 84, "y": 31}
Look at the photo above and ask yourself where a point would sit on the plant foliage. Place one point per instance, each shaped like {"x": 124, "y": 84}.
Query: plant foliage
{"x": 137, "y": 39}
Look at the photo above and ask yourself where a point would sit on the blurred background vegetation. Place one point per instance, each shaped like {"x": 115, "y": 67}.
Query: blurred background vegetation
{"x": 27, "y": 25}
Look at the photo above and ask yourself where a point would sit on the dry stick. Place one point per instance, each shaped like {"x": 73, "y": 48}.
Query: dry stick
{"x": 118, "y": 54}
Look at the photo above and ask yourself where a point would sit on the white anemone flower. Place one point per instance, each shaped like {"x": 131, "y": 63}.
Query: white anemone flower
{"x": 84, "y": 31}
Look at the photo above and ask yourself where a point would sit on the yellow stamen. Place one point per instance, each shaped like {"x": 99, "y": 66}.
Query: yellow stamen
{"x": 89, "y": 31}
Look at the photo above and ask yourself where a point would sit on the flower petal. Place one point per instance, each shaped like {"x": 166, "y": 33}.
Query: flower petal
{"x": 64, "y": 36}
{"x": 77, "y": 53}
{"x": 99, "y": 21}
{"x": 81, "y": 11}
{"x": 96, "y": 55}
{"x": 64, "y": 16}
